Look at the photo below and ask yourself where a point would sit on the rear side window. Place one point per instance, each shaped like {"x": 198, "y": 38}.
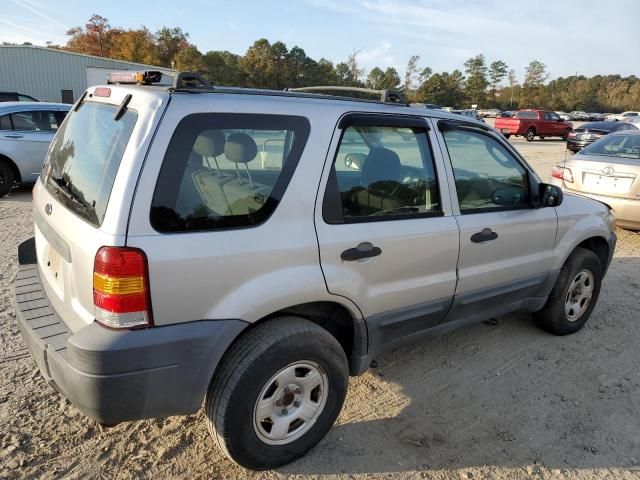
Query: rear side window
{"x": 35, "y": 121}
{"x": 85, "y": 156}
{"x": 5, "y": 122}
{"x": 226, "y": 170}
{"x": 530, "y": 115}
{"x": 381, "y": 173}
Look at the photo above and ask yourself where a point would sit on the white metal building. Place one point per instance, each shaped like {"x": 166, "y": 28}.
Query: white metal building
{"x": 52, "y": 75}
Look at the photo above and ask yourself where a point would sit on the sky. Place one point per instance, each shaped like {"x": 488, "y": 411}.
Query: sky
{"x": 587, "y": 37}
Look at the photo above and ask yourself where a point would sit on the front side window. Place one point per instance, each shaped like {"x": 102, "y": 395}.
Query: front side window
{"x": 226, "y": 170}
{"x": 382, "y": 173}
{"x": 487, "y": 176}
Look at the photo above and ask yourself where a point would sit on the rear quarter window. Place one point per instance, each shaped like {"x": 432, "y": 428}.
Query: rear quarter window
{"x": 226, "y": 170}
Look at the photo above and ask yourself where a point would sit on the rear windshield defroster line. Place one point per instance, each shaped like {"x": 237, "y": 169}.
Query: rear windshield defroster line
{"x": 85, "y": 157}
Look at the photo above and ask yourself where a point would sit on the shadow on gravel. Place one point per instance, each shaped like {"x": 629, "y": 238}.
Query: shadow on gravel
{"x": 19, "y": 194}
{"x": 501, "y": 393}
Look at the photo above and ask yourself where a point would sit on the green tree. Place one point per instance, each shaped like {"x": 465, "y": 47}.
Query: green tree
{"x": 223, "y": 68}
{"x": 444, "y": 89}
{"x": 476, "y": 84}
{"x": 134, "y": 46}
{"x": 533, "y": 94}
{"x": 497, "y": 73}
{"x": 387, "y": 80}
{"x": 190, "y": 59}
{"x": 170, "y": 41}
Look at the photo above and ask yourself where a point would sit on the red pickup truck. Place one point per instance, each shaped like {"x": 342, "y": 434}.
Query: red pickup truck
{"x": 532, "y": 123}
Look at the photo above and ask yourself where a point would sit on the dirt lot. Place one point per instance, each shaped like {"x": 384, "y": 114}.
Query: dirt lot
{"x": 497, "y": 400}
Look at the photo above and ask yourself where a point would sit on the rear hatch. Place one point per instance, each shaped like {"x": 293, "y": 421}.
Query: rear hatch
{"x": 587, "y": 134}
{"x": 82, "y": 198}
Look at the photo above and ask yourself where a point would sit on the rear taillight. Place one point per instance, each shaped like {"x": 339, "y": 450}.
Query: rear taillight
{"x": 572, "y": 135}
{"x": 121, "y": 295}
{"x": 563, "y": 173}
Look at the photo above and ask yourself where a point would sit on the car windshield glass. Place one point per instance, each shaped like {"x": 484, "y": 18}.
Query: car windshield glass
{"x": 85, "y": 157}
{"x": 623, "y": 146}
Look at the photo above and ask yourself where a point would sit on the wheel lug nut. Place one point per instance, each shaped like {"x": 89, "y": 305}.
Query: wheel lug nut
{"x": 286, "y": 390}
{"x": 278, "y": 403}
{"x": 298, "y": 391}
{"x": 284, "y": 411}
{"x": 296, "y": 404}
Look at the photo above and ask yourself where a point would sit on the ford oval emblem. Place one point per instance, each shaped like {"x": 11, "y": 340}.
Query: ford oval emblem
{"x": 608, "y": 171}
{"x": 48, "y": 208}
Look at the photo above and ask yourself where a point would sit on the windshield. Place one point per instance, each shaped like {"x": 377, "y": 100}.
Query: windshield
{"x": 623, "y": 146}
{"x": 85, "y": 156}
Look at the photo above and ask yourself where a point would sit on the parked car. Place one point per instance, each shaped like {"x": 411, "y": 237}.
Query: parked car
{"x": 471, "y": 113}
{"x": 532, "y": 123}
{"x": 489, "y": 113}
{"x": 590, "y": 132}
{"x": 597, "y": 117}
{"x": 182, "y": 254}
{"x": 579, "y": 116}
{"x": 619, "y": 117}
{"x": 431, "y": 106}
{"x": 564, "y": 116}
{"x": 633, "y": 121}
{"x": 15, "y": 97}
{"x": 26, "y": 130}
{"x": 607, "y": 170}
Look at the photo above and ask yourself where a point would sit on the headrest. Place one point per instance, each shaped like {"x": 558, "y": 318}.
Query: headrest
{"x": 380, "y": 165}
{"x": 210, "y": 143}
{"x": 240, "y": 148}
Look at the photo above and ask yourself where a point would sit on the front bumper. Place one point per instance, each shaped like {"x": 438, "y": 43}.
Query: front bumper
{"x": 119, "y": 375}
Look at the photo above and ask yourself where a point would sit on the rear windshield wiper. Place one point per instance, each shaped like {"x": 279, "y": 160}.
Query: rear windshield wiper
{"x": 68, "y": 191}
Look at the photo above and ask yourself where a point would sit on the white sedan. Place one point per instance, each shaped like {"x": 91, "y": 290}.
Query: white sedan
{"x": 26, "y": 130}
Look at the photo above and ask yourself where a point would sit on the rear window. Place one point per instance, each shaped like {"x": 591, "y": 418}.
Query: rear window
{"x": 226, "y": 170}
{"x": 533, "y": 115}
{"x": 623, "y": 146}
{"x": 85, "y": 156}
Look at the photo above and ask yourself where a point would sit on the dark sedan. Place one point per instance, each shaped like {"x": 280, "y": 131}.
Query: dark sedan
{"x": 590, "y": 132}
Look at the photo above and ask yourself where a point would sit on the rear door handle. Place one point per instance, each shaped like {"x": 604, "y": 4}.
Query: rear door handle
{"x": 364, "y": 250}
{"x": 485, "y": 235}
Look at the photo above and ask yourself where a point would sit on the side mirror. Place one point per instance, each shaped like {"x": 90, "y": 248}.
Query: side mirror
{"x": 354, "y": 160}
{"x": 550, "y": 195}
{"x": 508, "y": 196}
{"x": 560, "y": 120}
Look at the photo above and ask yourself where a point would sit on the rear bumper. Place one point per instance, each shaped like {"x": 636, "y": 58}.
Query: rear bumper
{"x": 119, "y": 375}
{"x": 626, "y": 210}
{"x": 577, "y": 145}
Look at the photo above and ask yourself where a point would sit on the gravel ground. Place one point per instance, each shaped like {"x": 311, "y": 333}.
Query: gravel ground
{"x": 499, "y": 400}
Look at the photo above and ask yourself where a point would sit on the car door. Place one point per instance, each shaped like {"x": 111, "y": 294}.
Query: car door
{"x": 387, "y": 237}
{"x": 506, "y": 244}
{"x": 29, "y": 140}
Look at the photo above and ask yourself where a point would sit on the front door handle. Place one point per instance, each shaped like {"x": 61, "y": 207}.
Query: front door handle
{"x": 364, "y": 250}
{"x": 13, "y": 136}
{"x": 485, "y": 235}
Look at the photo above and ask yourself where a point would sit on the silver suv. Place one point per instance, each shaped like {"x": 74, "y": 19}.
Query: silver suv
{"x": 252, "y": 249}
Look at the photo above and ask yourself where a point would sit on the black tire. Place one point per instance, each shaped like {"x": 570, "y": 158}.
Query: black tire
{"x": 248, "y": 367}
{"x": 565, "y": 134}
{"x": 7, "y": 179}
{"x": 531, "y": 134}
{"x": 506, "y": 135}
{"x": 553, "y": 318}
{"x": 541, "y": 138}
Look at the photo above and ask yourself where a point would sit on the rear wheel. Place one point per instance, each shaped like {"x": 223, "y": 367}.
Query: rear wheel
{"x": 7, "y": 179}
{"x": 573, "y": 296}
{"x": 277, "y": 393}
{"x": 531, "y": 134}
{"x": 506, "y": 135}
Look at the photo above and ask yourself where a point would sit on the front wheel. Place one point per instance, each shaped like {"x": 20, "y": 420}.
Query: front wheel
{"x": 531, "y": 134}
{"x": 7, "y": 179}
{"x": 573, "y": 296}
{"x": 277, "y": 393}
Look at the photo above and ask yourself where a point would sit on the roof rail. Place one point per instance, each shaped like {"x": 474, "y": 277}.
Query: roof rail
{"x": 386, "y": 96}
{"x": 190, "y": 82}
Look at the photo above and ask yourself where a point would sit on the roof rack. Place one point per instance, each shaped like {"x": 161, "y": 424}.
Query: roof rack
{"x": 190, "y": 82}
{"x": 386, "y": 96}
